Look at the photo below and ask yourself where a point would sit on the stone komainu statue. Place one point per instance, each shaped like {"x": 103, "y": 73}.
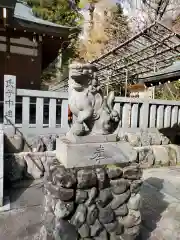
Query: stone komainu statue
{"x": 94, "y": 113}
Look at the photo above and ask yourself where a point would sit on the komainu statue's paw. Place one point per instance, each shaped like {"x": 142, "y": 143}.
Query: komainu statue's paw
{"x": 78, "y": 129}
{"x": 115, "y": 116}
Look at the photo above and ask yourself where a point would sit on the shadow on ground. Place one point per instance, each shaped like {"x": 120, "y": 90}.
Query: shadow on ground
{"x": 153, "y": 205}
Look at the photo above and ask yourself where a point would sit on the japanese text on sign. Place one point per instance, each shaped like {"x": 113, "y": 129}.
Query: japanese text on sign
{"x": 98, "y": 154}
{"x": 9, "y": 99}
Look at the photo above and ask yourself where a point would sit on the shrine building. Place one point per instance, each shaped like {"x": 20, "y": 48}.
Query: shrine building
{"x": 28, "y": 44}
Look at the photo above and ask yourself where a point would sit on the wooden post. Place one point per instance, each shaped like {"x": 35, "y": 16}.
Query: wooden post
{"x": 1, "y": 165}
{"x": 64, "y": 114}
{"x": 9, "y": 100}
{"x": 126, "y": 83}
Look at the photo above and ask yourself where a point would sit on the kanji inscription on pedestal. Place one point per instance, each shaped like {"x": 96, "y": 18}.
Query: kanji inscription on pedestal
{"x": 9, "y": 99}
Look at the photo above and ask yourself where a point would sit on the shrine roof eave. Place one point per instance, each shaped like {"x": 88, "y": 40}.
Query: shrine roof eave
{"x": 8, "y": 4}
{"x": 24, "y": 18}
{"x": 170, "y": 74}
{"x": 44, "y": 29}
{"x": 161, "y": 78}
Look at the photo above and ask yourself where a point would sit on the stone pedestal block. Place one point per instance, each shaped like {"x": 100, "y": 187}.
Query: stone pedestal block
{"x": 96, "y": 152}
{"x": 92, "y": 201}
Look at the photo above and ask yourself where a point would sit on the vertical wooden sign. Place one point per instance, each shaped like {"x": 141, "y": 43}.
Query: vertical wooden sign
{"x": 9, "y": 99}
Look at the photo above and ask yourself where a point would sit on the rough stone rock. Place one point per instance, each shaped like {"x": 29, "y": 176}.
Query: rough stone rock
{"x": 119, "y": 186}
{"x": 146, "y": 157}
{"x": 145, "y": 138}
{"x": 15, "y": 167}
{"x": 35, "y": 167}
{"x": 122, "y": 136}
{"x": 132, "y": 172}
{"x": 49, "y": 221}
{"x": 81, "y": 196}
{"x": 113, "y": 236}
{"x": 49, "y": 203}
{"x": 161, "y": 155}
{"x": 114, "y": 227}
{"x": 80, "y": 216}
{"x": 64, "y": 230}
{"x": 38, "y": 145}
{"x": 164, "y": 140}
{"x": 102, "y": 236}
{"x": 114, "y": 172}
{"x": 172, "y": 152}
{"x": 96, "y": 228}
{"x": 135, "y": 186}
{"x": 176, "y": 149}
{"x": 54, "y": 190}
{"x": 85, "y": 238}
{"x": 131, "y": 220}
{"x": 66, "y": 194}
{"x": 105, "y": 197}
{"x": 121, "y": 211}
{"x": 102, "y": 178}
{"x": 155, "y": 137}
{"x": 106, "y": 215}
{"x": 86, "y": 178}
{"x": 63, "y": 209}
{"x": 45, "y": 235}
{"x": 134, "y": 202}
{"x": 65, "y": 178}
{"x": 84, "y": 231}
{"x": 134, "y": 139}
{"x": 92, "y": 194}
{"x": 49, "y": 142}
{"x": 92, "y": 214}
{"x": 120, "y": 199}
{"x": 14, "y": 144}
{"x": 131, "y": 232}
{"x": 111, "y": 227}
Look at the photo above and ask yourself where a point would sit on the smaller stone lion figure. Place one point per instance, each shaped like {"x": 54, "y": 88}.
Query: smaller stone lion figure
{"x": 94, "y": 114}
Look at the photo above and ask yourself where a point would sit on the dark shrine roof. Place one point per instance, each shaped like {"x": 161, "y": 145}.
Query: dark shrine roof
{"x": 24, "y": 18}
{"x": 8, "y": 3}
{"x": 171, "y": 73}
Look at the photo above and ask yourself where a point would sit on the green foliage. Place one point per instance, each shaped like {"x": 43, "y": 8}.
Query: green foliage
{"x": 57, "y": 11}
{"x": 168, "y": 91}
{"x": 61, "y": 12}
{"x": 119, "y": 24}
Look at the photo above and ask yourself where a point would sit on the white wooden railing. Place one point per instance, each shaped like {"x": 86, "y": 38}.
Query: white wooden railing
{"x": 39, "y": 112}
{"x": 147, "y": 113}
{"x": 46, "y": 112}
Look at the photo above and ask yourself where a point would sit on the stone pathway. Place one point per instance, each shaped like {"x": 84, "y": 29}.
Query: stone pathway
{"x": 160, "y": 208}
{"x": 161, "y": 204}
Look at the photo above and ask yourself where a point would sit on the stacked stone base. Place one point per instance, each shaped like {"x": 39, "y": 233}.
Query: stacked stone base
{"x": 100, "y": 203}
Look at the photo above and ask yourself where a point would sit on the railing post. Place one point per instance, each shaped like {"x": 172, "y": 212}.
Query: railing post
{"x": 160, "y": 117}
{"x": 9, "y": 101}
{"x": 126, "y": 115}
{"x": 1, "y": 165}
{"x": 144, "y": 115}
{"x": 25, "y": 112}
{"x": 64, "y": 114}
{"x": 152, "y": 116}
{"x": 134, "y": 115}
{"x": 174, "y": 117}
{"x": 52, "y": 113}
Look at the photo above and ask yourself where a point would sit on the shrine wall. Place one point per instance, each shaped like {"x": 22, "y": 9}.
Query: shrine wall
{"x": 20, "y": 57}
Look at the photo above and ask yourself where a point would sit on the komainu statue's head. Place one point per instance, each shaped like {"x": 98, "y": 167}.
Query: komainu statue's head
{"x": 81, "y": 75}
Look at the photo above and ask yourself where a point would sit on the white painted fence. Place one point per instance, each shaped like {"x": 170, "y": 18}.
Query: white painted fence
{"x": 46, "y": 112}
{"x": 34, "y": 112}
{"x": 147, "y": 113}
